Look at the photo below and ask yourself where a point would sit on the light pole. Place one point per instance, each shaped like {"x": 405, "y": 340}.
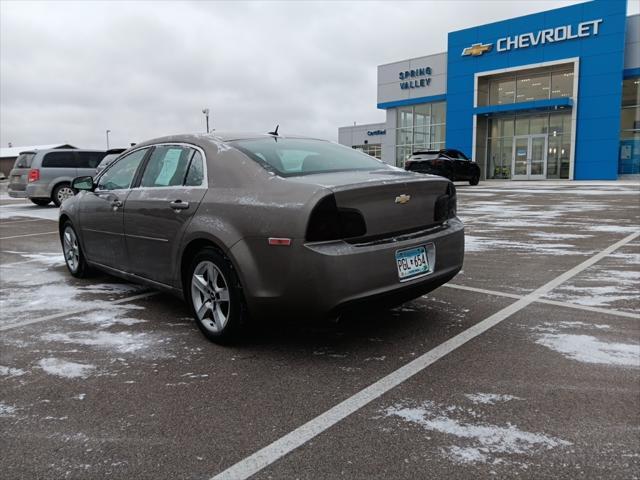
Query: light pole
{"x": 108, "y": 132}
{"x": 206, "y": 116}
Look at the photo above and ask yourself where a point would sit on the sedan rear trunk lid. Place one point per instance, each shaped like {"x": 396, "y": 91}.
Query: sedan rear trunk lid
{"x": 390, "y": 201}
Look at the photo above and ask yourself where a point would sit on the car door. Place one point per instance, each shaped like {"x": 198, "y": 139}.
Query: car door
{"x": 158, "y": 211}
{"x": 101, "y": 212}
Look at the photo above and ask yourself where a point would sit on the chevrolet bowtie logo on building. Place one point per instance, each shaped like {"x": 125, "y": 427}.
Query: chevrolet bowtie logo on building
{"x": 402, "y": 199}
{"x": 477, "y": 49}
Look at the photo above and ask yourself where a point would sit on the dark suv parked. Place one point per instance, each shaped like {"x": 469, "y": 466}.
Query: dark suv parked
{"x": 448, "y": 162}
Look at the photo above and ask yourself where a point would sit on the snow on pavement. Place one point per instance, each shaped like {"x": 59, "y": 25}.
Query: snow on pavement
{"x": 475, "y": 440}
{"x": 65, "y": 369}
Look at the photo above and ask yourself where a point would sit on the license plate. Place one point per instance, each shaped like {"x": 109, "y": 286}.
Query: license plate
{"x": 412, "y": 263}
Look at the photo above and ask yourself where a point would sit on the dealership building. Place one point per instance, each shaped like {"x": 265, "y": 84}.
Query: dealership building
{"x": 552, "y": 95}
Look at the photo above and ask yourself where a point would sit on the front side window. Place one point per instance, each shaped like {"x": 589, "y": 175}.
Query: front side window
{"x": 120, "y": 175}
{"x": 167, "y": 166}
{"x": 294, "y": 156}
{"x": 59, "y": 160}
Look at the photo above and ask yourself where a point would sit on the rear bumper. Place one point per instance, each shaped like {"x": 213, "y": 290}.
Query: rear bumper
{"x": 38, "y": 190}
{"x": 16, "y": 193}
{"x": 315, "y": 280}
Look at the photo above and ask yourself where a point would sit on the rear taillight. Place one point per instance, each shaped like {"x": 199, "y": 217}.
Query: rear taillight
{"x": 328, "y": 222}
{"x": 446, "y": 205}
{"x": 34, "y": 175}
{"x": 407, "y": 165}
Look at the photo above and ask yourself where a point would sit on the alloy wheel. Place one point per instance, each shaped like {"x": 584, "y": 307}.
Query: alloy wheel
{"x": 210, "y": 296}
{"x": 71, "y": 249}
{"x": 64, "y": 193}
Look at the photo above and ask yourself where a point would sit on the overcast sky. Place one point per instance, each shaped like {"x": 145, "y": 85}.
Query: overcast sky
{"x": 71, "y": 70}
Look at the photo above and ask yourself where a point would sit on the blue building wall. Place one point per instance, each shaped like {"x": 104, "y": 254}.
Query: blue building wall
{"x": 600, "y": 78}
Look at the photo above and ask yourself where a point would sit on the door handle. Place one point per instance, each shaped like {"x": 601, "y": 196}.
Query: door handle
{"x": 179, "y": 205}
{"x": 116, "y": 203}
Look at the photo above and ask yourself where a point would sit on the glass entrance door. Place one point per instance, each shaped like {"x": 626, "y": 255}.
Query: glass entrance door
{"x": 529, "y": 157}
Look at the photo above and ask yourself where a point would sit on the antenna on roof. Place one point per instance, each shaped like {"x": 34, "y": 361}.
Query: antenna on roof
{"x": 275, "y": 132}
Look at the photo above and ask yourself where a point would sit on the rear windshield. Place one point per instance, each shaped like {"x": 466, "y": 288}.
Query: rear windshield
{"x": 294, "y": 156}
{"x": 24, "y": 160}
{"x": 425, "y": 156}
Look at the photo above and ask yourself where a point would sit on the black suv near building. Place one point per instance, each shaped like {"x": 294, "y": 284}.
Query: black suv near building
{"x": 448, "y": 162}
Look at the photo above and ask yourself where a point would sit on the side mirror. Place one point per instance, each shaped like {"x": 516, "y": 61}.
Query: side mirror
{"x": 82, "y": 183}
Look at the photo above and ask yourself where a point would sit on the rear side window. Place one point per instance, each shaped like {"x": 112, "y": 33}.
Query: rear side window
{"x": 59, "y": 160}
{"x": 195, "y": 175}
{"x": 167, "y": 166}
{"x": 24, "y": 160}
{"x": 89, "y": 159}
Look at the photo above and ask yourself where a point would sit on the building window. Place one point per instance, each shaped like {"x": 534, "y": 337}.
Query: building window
{"x": 629, "y": 155}
{"x": 373, "y": 149}
{"x": 419, "y": 127}
{"x": 526, "y": 86}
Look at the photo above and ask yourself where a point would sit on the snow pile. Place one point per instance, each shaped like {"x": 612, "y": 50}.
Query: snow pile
{"x": 54, "y": 259}
{"x": 11, "y": 372}
{"x": 482, "y": 442}
{"x": 6, "y": 410}
{"x": 588, "y": 349}
{"x": 62, "y": 368}
{"x": 602, "y": 286}
{"x": 489, "y": 398}
{"x": 52, "y": 290}
{"x": 122, "y": 342}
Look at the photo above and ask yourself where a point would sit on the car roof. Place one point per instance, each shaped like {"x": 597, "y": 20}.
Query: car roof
{"x": 49, "y": 150}
{"x": 217, "y": 136}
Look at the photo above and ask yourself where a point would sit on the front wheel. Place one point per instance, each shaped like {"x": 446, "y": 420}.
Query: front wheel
{"x": 73, "y": 255}
{"x": 475, "y": 180}
{"x": 61, "y": 193}
{"x": 214, "y": 296}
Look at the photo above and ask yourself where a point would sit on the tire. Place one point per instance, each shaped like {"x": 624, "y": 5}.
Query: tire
{"x": 72, "y": 251}
{"x": 475, "y": 180}
{"x": 61, "y": 192}
{"x": 214, "y": 296}
{"x": 43, "y": 202}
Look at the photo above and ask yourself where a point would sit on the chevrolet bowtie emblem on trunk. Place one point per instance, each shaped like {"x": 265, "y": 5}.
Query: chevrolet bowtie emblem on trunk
{"x": 402, "y": 199}
{"x": 477, "y": 49}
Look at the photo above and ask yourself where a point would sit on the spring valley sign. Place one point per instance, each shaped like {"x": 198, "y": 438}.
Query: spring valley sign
{"x": 416, "y": 78}
{"x": 533, "y": 39}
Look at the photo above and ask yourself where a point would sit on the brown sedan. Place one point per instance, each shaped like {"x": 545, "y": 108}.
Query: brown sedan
{"x": 264, "y": 225}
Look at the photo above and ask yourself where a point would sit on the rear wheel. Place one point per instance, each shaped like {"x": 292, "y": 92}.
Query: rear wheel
{"x": 214, "y": 296}
{"x": 41, "y": 201}
{"x": 475, "y": 179}
{"x": 73, "y": 255}
{"x": 61, "y": 193}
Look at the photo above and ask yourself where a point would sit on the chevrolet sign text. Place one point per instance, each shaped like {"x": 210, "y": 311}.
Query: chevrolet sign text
{"x": 549, "y": 35}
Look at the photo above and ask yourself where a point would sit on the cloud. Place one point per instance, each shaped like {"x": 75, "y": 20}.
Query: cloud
{"x": 71, "y": 70}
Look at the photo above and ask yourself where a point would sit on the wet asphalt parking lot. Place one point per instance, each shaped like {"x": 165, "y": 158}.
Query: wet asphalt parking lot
{"x": 526, "y": 365}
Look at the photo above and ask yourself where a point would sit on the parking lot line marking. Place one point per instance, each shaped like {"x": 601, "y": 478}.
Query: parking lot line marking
{"x": 20, "y": 221}
{"x": 264, "y": 457}
{"x": 577, "y": 306}
{"x": 28, "y": 235}
{"x": 55, "y": 316}
{"x": 482, "y": 290}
